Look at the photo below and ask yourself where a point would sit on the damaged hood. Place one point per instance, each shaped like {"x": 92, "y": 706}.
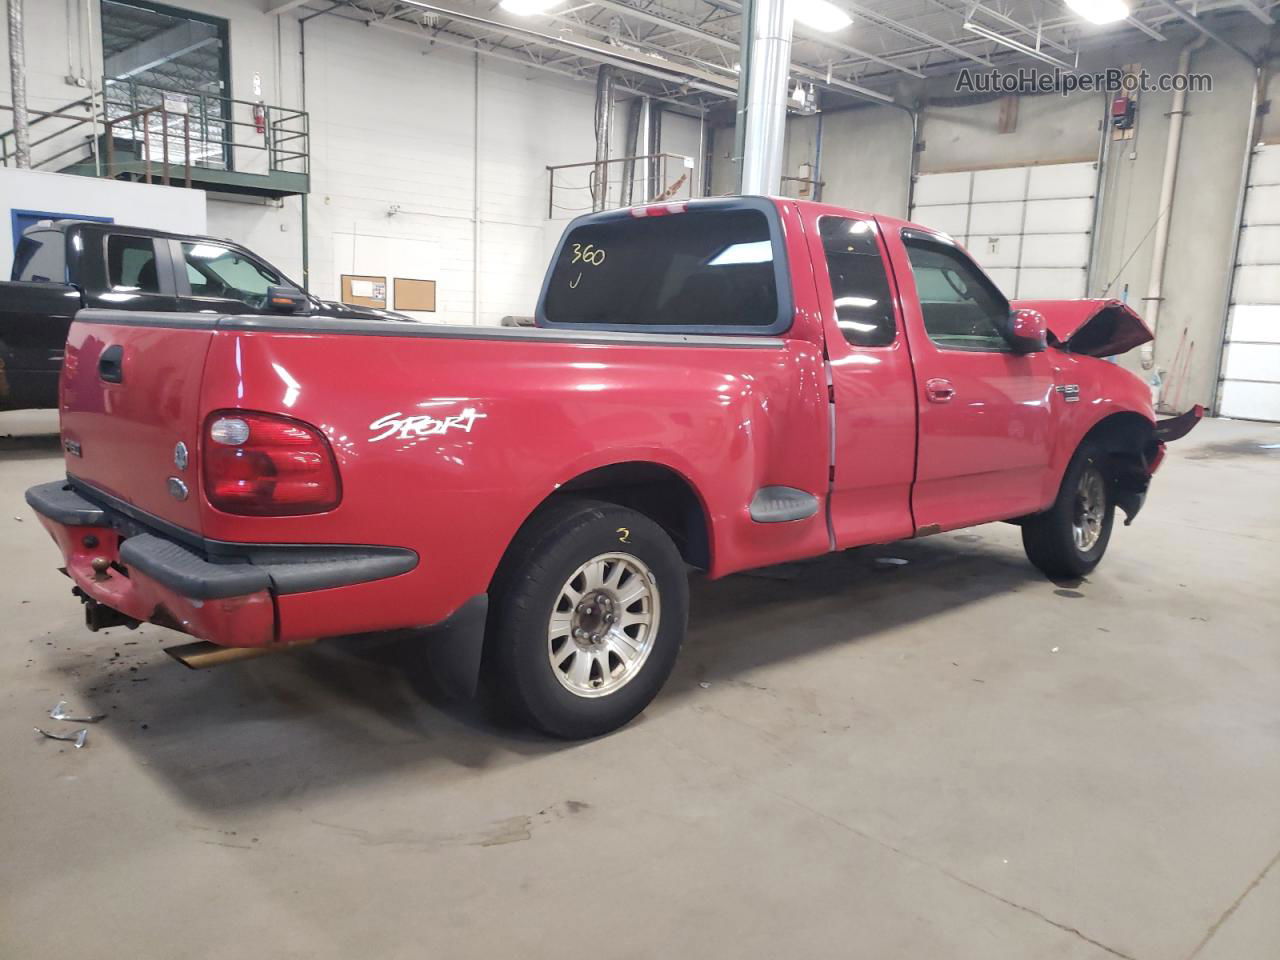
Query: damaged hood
{"x": 1095, "y": 328}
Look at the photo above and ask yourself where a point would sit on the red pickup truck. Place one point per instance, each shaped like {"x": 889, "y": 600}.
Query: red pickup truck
{"x": 719, "y": 385}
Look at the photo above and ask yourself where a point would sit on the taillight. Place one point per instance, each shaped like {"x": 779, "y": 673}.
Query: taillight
{"x": 261, "y": 464}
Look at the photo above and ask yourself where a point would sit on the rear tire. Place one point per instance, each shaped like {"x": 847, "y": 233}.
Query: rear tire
{"x": 588, "y": 612}
{"x": 1068, "y": 540}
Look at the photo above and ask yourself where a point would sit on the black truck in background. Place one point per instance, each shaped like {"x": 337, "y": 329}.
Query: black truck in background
{"x": 62, "y": 266}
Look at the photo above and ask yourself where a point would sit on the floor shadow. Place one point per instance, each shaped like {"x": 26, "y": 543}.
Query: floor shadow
{"x": 268, "y": 732}
{"x": 29, "y": 448}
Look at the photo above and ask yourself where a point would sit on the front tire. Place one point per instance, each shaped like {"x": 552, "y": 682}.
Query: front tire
{"x": 1068, "y": 540}
{"x": 589, "y": 610}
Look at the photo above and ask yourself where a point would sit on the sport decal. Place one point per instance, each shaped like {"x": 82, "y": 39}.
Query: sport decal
{"x": 395, "y": 425}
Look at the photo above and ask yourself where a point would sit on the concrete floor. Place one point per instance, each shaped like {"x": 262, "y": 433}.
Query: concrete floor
{"x": 953, "y": 758}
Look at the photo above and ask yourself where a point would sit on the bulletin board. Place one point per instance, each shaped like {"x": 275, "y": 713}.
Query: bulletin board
{"x": 415, "y": 294}
{"x": 361, "y": 291}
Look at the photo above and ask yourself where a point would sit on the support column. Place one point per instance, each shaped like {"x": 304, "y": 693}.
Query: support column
{"x": 18, "y": 84}
{"x": 604, "y": 128}
{"x": 766, "y": 59}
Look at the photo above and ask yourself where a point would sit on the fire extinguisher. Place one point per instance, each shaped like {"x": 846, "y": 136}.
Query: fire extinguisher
{"x": 259, "y": 117}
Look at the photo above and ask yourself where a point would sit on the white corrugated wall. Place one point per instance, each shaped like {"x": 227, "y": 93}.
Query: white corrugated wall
{"x": 1251, "y": 360}
{"x": 1028, "y": 227}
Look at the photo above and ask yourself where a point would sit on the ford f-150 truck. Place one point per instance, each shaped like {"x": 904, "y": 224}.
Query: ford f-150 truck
{"x": 719, "y": 385}
{"x": 62, "y": 266}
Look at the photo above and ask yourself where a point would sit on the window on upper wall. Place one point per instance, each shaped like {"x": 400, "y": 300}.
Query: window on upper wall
{"x": 859, "y": 284}
{"x": 962, "y": 308}
{"x": 156, "y": 54}
{"x": 131, "y": 264}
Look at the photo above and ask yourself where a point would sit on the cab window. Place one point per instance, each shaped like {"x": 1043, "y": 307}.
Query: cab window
{"x": 859, "y": 284}
{"x": 217, "y": 271}
{"x": 131, "y": 264}
{"x": 962, "y": 308}
{"x": 707, "y": 269}
{"x": 41, "y": 257}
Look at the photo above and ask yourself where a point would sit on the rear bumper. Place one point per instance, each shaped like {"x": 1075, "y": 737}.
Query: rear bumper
{"x": 223, "y": 592}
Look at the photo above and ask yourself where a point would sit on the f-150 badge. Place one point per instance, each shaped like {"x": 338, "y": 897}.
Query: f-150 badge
{"x": 394, "y": 425}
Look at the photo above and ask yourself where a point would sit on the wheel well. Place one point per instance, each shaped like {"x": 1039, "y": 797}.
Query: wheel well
{"x": 1125, "y": 435}
{"x": 661, "y": 494}
{"x": 1130, "y": 444}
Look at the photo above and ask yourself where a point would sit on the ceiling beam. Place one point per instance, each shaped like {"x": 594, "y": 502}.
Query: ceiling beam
{"x": 910, "y": 31}
{"x": 1150, "y": 31}
{"x": 497, "y": 53}
{"x": 638, "y": 61}
{"x": 274, "y": 7}
{"x": 1036, "y": 34}
{"x": 809, "y": 35}
{"x": 1258, "y": 12}
{"x": 160, "y": 48}
{"x": 1207, "y": 31}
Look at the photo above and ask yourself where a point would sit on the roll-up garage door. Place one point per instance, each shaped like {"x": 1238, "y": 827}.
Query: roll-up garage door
{"x": 1251, "y": 360}
{"x": 1028, "y": 227}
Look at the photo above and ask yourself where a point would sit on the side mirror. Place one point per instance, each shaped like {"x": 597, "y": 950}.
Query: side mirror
{"x": 1028, "y": 331}
{"x": 283, "y": 299}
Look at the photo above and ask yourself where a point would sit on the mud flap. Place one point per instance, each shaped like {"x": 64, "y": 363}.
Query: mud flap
{"x": 1175, "y": 428}
{"x": 453, "y": 648}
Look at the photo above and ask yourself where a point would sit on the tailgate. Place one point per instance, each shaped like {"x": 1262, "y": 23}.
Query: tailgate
{"x": 130, "y": 394}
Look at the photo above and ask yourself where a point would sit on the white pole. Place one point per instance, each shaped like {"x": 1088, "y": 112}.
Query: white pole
{"x": 1155, "y": 285}
{"x": 18, "y": 84}
{"x": 766, "y": 80}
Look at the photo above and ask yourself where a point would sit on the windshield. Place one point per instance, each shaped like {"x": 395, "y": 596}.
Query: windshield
{"x": 709, "y": 270}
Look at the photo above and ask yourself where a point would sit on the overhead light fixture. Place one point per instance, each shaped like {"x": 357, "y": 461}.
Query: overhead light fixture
{"x": 528, "y": 8}
{"x": 1101, "y": 11}
{"x": 1018, "y": 45}
{"x": 820, "y": 15}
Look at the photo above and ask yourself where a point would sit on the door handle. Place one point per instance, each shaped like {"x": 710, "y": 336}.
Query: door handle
{"x": 939, "y": 390}
{"x": 111, "y": 364}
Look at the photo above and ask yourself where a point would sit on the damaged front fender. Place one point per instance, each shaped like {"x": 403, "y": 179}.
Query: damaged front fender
{"x": 1175, "y": 428}
{"x": 1132, "y": 476}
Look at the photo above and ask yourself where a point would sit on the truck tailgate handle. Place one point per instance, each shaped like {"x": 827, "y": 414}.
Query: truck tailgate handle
{"x": 111, "y": 364}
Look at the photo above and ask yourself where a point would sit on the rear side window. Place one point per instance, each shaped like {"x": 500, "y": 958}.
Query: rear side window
{"x": 41, "y": 257}
{"x": 131, "y": 264}
{"x": 859, "y": 285}
{"x": 962, "y": 308}
{"x": 711, "y": 270}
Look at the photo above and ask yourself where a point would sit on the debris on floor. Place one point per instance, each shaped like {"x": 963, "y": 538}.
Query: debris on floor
{"x": 79, "y": 738}
{"x": 890, "y": 563}
{"x": 62, "y": 712}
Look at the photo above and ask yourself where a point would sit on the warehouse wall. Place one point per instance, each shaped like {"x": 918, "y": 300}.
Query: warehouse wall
{"x": 395, "y": 143}
{"x": 864, "y": 154}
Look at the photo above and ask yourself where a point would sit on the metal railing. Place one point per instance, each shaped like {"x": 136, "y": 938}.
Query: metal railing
{"x": 147, "y": 128}
{"x": 574, "y": 188}
{"x": 66, "y": 120}
{"x": 145, "y": 117}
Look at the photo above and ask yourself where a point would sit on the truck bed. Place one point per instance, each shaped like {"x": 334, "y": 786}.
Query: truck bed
{"x": 447, "y": 438}
{"x": 34, "y": 318}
